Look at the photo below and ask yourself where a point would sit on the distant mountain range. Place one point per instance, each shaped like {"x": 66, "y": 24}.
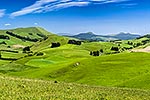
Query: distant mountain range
{"x": 93, "y": 37}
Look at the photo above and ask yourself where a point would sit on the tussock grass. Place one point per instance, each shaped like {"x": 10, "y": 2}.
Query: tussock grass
{"x": 29, "y": 89}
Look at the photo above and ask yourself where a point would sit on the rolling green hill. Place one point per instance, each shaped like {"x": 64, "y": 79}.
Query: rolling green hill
{"x": 17, "y": 39}
{"x": 72, "y": 63}
{"x": 31, "y": 32}
{"x": 111, "y": 70}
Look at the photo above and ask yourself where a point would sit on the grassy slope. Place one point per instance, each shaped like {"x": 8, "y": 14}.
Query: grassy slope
{"x": 23, "y": 32}
{"x": 47, "y": 43}
{"x": 27, "y": 89}
{"x": 111, "y": 70}
{"x": 134, "y": 41}
{"x": 56, "y": 58}
{"x": 37, "y": 46}
{"x": 72, "y": 63}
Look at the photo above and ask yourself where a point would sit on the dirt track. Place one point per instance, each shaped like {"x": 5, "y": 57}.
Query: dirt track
{"x": 18, "y": 46}
{"x": 147, "y": 49}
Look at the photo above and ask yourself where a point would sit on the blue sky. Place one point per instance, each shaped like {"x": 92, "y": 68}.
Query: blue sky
{"x": 75, "y": 16}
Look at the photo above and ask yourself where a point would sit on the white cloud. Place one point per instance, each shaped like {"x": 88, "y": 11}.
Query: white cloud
{"x": 115, "y": 1}
{"x": 128, "y": 4}
{"x": 61, "y": 6}
{"x": 2, "y": 12}
{"x": 7, "y": 24}
{"x": 35, "y": 23}
{"x": 51, "y": 5}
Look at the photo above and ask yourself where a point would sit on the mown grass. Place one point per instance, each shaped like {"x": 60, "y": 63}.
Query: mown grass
{"x": 29, "y": 89}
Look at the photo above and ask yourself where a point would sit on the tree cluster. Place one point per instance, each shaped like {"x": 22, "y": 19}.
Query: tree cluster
{"x": 94, "y": 53}
{"x": 147, "y": 36}
{"x": 145, "y": 41}
{"x": 42, "y": 35}
{"x": 115, "y": 48}
{"x": 130, "y": 43}
{"x": 55, "y": 45}
{"x": 4, "y": 37}
{"x": 74, "y": 42}
{"x": 40, "y": 54}
{"x": 26, "y": 49}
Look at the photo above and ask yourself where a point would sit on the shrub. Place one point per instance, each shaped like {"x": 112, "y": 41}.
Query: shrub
{"x": 130, "y": 43}
{"x": 55, "y": 45}
{"x": 30, "y": 33}
{"x": 40, "y": 54}
{"x": 94, "y": 53}
{"x": 101, "y": 50}
{"x": 4, "y": 37}
{"x": 26, "y": 49}
{"x": 3, "y": 43}
{"x": 91, "y": 53}
{"x": 115, "y": 48}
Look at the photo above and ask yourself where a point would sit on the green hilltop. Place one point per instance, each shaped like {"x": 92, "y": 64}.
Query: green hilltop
{"x": 31, "y": 32}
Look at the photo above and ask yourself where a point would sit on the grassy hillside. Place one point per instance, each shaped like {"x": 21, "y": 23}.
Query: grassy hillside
{"x": 74, "y": 64}
{"x": 47, "y": 43}
{"x": 21, "y": 37}
{"x": 55, "y": 58}
{"x": 113, "y": 70}
{"x": 71, "y": 65}
{"x": 30, "y": 32}
{"x": 27, "y": 89}
{"x": 135, "y": 43}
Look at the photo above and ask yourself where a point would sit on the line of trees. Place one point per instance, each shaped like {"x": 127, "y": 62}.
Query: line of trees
{"x": 74, "y": 42}
{"x": 21, "y": 37}
{"x": 4, "y": 37}
{"x": 13, "y": 51}
{"x": 42, "y": 35}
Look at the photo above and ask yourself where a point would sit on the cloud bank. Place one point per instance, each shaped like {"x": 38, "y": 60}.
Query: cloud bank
{"x": 7, "y": 24}
{"x": 41, "y": 6}
{"x": 2, "y": 12}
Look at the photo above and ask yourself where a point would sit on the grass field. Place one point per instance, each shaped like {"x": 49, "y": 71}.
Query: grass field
{"x": 80, "y": 74}
{"x": 78, "y": 66}
{"x": 29, "y": 89}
